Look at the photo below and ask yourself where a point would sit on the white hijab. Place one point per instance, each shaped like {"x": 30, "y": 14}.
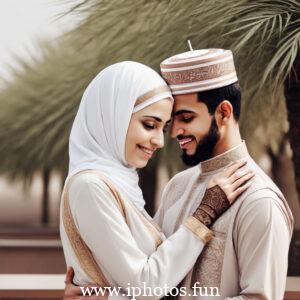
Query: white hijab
{"x": 98, "y": 134}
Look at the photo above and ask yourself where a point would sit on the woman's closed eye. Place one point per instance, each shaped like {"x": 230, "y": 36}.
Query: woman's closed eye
{"x": 148, "y": 126}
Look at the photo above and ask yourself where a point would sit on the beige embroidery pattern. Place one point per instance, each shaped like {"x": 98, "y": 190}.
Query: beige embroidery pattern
{"x": 224, "y": 159}
{"x": 208, "y": 268}
{"x": 199, "y": 74}
{"x": 209, "y": 265}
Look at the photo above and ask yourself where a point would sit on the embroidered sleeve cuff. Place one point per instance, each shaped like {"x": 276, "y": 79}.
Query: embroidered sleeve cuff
{"x": 203, "y": 233}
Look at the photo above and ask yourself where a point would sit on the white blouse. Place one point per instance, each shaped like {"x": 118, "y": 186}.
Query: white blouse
{"x": 128, "y": 254}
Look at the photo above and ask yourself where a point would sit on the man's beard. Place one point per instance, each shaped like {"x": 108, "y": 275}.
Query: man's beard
{"x": 205, "y": 148}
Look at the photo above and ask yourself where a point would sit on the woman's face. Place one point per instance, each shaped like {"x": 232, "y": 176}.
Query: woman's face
{"x": 146, "y": 132}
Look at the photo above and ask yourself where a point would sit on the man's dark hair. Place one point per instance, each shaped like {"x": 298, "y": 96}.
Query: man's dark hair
{"x": 213, "y": 98}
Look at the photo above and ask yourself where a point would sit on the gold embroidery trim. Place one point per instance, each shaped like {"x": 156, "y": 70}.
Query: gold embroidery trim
{"x": 204, "y": 234}
{"x": 199, "y": 74}
{"x": 151, "y": 226}
{"x": 152, "y": 93}
{"x": 225, "y": 159}
{"x": 116, "y": 195}
{"x": 82, "y": 252}
{"x": 200, "y": 86}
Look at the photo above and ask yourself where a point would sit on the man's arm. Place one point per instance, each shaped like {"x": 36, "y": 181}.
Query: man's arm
{"x": 262, "y": 238}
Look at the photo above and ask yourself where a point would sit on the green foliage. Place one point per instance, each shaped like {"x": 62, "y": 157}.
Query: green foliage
{"x": 38, "y": 106}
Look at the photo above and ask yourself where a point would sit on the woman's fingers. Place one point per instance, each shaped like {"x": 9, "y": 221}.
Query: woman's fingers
{"x": 227, "y": 177}
{"x": 243, "y": 179}
{"x": 232, "y": 169}
{"x": 234, "y": 195}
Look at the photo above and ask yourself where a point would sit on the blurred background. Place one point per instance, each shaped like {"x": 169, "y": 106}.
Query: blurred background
{"x": 51, "y": 50}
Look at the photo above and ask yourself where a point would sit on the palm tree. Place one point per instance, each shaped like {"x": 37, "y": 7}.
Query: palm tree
{"x": 38, "y": 106}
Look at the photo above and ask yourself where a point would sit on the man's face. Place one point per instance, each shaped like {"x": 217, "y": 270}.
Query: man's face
{"x": 195, "y": 129}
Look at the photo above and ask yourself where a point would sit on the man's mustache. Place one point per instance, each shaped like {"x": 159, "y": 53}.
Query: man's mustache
{"x": 181, "y": 137}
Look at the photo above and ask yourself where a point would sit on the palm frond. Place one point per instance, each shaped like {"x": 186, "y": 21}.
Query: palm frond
{"x": 38, "y": 106}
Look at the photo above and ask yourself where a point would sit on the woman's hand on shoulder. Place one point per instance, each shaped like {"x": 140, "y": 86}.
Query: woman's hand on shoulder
{"x": 234, "y": 180}
{"x": 222, "y": 190}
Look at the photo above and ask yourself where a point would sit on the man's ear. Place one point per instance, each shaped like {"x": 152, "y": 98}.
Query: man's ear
{"x": 224, "y": 112}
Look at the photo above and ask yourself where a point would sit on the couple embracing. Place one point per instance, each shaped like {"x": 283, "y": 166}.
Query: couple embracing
{"x": 222, "y": 224}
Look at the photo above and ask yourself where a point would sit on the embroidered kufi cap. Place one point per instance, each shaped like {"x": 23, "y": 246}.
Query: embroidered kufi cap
{"x": 199, "y": 70}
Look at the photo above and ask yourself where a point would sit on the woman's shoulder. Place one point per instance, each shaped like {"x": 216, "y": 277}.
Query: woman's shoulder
{"x": 87, "y": 192}
{"x": 87, "y": 181}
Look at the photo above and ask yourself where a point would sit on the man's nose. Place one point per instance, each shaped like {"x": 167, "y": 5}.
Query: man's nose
{"x": 175, "y": 130}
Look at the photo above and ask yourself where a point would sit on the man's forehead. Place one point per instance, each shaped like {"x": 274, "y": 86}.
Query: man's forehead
{"x": 186, "y": 98}
{"x": 187, "y": 103}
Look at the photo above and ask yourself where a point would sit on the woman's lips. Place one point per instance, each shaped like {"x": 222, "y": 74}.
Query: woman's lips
{"x": 184, "y": 143}
{"x": 148, "y": 152}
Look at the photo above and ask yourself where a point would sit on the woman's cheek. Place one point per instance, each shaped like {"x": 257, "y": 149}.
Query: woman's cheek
{"x": 142, "y": 135}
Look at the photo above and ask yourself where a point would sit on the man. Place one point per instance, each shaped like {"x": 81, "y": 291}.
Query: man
{"x": 247, "y": 258}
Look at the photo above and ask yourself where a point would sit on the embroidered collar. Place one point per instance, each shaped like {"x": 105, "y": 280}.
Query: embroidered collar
{"x": 224, "y": 159}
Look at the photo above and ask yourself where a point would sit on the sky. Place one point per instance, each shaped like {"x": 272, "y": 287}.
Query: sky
{"x": 22, "y": 22}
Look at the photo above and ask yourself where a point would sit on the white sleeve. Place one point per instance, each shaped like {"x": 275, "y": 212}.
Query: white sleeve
{"x": 164, "y": 203}
{"x": 106, "y": 233}
{"x": 159, "y": 214}
{"x": 262, "y": 243}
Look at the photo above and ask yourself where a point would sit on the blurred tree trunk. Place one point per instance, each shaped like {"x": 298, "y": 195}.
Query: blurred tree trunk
{"x": 148, "y": 184}
{"x": 292, "y": 96}
{"x": 45, "y": 200}
{"x": 283, "y": 175}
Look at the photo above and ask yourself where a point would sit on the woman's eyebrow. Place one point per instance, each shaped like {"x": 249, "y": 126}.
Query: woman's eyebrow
{"x": 155, "y": 118}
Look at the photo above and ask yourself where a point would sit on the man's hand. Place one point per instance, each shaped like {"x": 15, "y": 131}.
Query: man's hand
{"x": 73, "y": 292}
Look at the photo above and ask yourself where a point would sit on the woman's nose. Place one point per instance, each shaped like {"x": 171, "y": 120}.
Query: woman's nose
{"x": 158, "y": 140}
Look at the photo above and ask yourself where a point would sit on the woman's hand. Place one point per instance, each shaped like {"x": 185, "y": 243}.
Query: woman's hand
{"x": 222, "y": 190}
{"x": 233, "y": 180}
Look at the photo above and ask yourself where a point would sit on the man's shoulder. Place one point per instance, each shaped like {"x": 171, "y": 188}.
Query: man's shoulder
{"x": 263, "y": 198}
{"x": 262, "y": 186}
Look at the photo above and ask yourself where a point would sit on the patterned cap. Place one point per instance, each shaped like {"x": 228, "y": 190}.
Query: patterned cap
{"x": 199, "y": 70}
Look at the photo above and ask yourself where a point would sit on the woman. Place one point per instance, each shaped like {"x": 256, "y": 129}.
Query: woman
{"x": 108, "y": 237}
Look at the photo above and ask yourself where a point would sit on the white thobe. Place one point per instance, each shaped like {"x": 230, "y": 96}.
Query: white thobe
{"x": 248, "y": 256}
